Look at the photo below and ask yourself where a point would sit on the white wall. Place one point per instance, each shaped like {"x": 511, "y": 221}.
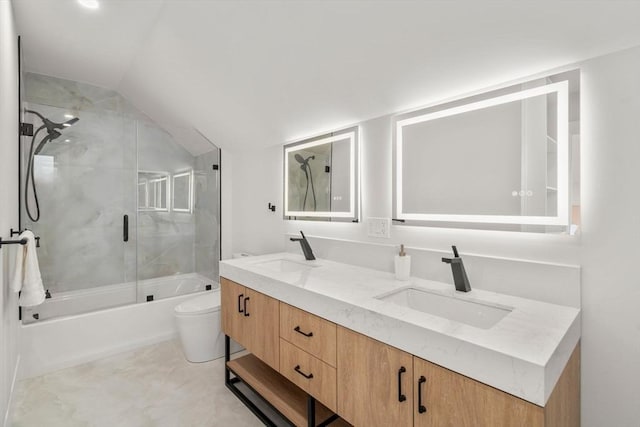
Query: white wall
{"x": 611, "y": 229}
{"x": 607, "y": 249}
{"x": 257, "y": 181}
{"x": 8, "y": 200}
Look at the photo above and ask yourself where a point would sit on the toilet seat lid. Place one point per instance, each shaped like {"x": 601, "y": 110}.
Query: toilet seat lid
{"x": 207, "y": 303}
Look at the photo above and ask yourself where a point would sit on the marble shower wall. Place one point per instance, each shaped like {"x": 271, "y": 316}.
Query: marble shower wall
{"x": 87, "y": 180}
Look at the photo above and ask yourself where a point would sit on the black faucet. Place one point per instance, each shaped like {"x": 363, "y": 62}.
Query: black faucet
{"x": 306, "y": 248}
{"x": 459, "y": 274}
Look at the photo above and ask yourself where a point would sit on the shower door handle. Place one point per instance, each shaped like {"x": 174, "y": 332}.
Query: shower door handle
{"x": 125, "y": 228}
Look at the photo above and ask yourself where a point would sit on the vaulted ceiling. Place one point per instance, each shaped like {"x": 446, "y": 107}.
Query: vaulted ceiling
{"x": 257, "y": 73}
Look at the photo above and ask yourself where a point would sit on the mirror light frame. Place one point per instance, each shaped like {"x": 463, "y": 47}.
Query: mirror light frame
{"x": 562, "y": 218}
{"x": 353, "y": 135}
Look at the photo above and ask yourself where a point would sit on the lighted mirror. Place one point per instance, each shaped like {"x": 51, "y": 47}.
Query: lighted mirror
{"x": 153, "y": 191}
{"x": 501, "y": 160}
{"x": 321, "y": 177}
{"x": 182, "y": 190}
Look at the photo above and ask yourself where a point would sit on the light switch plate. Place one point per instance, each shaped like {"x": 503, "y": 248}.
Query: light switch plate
{"x": 379, "y": 227}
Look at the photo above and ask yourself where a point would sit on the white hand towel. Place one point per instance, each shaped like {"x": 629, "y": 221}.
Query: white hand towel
{"x": 27, "y": 273}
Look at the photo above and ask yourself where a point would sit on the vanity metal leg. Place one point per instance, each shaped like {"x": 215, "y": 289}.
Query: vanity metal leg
{"x": 227, "y": 357}
{"x": 311, "y": 411}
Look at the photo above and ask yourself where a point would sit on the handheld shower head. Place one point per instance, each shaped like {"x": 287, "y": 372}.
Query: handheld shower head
{"x": 304, "y": 162}
{"x": 49, "y": 137}
{"x": 52, "y": 126}
{"x": 52, "y": 129}
{"x": 53, "y": 132}
{"x": 70, "y": 122}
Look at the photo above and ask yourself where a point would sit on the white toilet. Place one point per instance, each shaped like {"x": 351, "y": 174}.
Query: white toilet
{"x": 198, "y": 321}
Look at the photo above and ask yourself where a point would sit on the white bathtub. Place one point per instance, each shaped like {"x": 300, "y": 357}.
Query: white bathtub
{"x": 90, "y": 300}
{"x": 65, "y": 340}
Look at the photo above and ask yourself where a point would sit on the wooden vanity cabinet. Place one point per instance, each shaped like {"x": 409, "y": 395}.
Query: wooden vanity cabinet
{"x": 374, "y": 382}
{"x": 368, "y": 392}
{"x": 251, "y": 319}
{"x": 369, "y": 383}
{"x": 449, "y": 399}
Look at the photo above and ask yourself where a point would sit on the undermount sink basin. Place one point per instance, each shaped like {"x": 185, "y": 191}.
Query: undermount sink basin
{"x": 473, "y": 313}
{"x": 285, "y": 266}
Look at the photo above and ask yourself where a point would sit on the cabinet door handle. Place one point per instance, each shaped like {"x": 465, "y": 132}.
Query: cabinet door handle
{"x": 401, "y": 397}
{"x": 240, "y": 310}
{"x": 421, "y": 408}
{"x": 246, "y": 313}
{"x": 297, "y": 369}
{"x": 297, "y": 329}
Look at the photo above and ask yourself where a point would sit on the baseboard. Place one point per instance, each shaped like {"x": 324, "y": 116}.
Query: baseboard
{"x": 9, "y": 411}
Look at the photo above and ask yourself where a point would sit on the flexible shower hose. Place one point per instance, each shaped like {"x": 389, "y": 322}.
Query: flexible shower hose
{"x": 29, "y": 177}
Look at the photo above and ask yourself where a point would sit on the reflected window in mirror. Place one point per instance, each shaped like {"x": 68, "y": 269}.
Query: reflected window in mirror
{"x": 506, "y": 160}
{"x": 183, "y": 192}
{"x": 143, "y": 195}
{"x": 153, "y": 191}
{"x": 321, "y": 177}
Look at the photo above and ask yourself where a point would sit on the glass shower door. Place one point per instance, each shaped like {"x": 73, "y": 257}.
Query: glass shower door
{"x": 178, "y": 214}
{"x": 84, "y": 182}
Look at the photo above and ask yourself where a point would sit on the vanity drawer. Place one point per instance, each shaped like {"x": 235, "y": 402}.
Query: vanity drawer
{"x": 308, "y": 332}
{"x": 309, "y": 373}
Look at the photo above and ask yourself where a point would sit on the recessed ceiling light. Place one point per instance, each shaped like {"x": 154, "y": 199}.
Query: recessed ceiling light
{"x": 68, "y": 116}
{"x": 90, "y": 4}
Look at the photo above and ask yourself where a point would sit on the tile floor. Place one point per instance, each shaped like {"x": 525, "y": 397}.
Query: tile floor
{"x": 149, "y": 387}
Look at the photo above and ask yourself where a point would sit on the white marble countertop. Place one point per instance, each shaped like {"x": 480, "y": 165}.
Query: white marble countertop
{"x": 523, "y": 354}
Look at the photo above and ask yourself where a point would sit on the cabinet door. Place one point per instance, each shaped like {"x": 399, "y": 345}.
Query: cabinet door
{"x": 261, "y": 327}
{"x": 231, "y": 298}
{"x": 372, "y": 376}
{"x": 453, "y": 400}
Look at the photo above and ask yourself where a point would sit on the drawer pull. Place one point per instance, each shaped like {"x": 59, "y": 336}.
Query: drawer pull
{"x": 246, "y": 313}
{"x": 421, "y": 408}
{"x": 297, "y": 329}
{"x": 401, "y": 397}
{"x": 240, "y": 303}
{"x": 297, "y": 369}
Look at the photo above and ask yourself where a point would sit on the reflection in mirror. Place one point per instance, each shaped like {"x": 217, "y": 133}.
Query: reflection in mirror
{"x": 153, "y": 191}
{"x": 182, "y": 190}
{"x": 320, "y": 177}
{"x": 498, "y": 161}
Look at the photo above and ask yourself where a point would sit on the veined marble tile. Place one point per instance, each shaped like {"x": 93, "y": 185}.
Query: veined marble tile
{"x": 76, "y": 96}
